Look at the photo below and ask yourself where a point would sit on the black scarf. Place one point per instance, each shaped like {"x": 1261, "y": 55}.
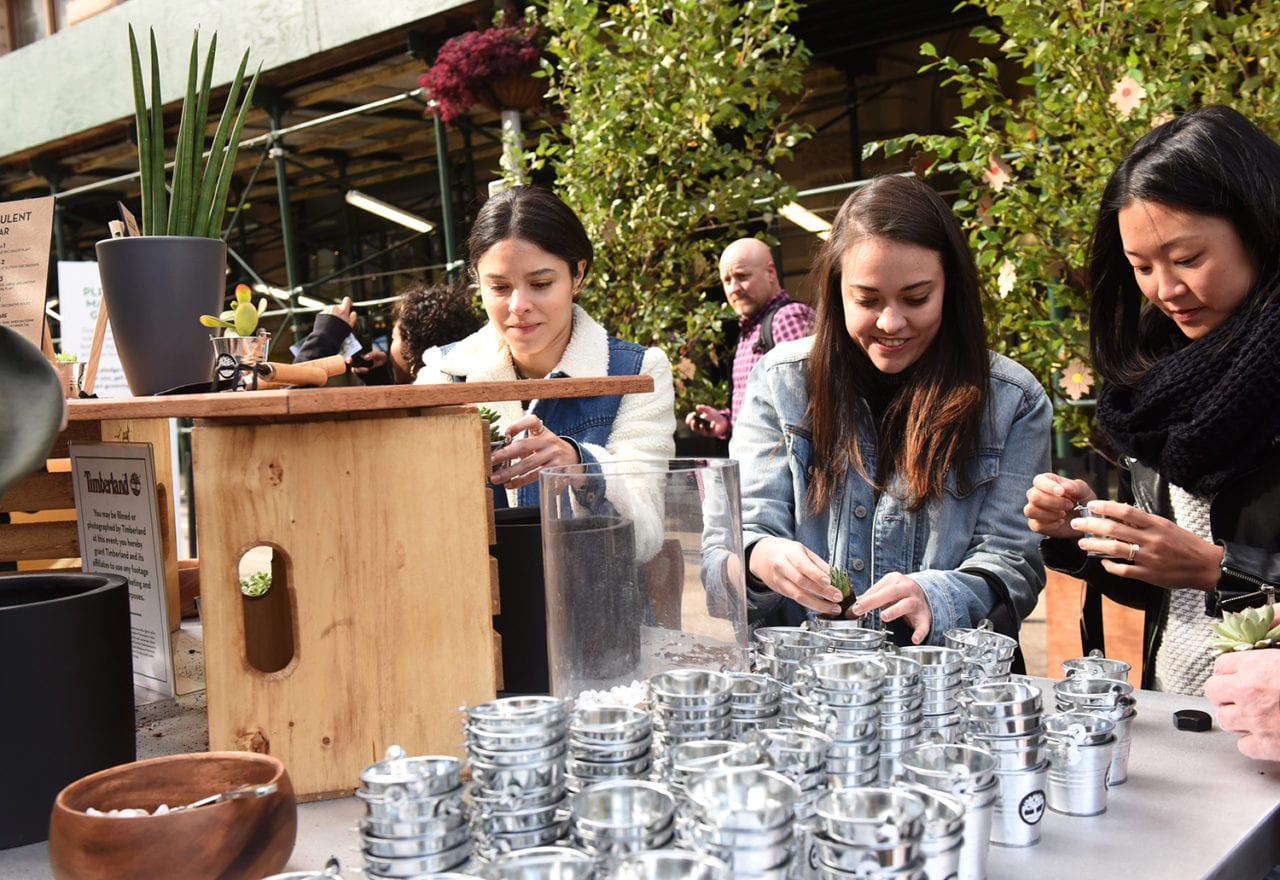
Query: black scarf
{"x": 1206, "y": 413}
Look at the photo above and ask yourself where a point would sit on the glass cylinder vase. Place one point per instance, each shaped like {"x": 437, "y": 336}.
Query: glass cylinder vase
{"x": 644, "y": 570}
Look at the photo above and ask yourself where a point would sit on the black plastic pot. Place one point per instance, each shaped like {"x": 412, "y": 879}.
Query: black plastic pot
{"x": 66, "y": 688}
{"x": 522, "y": 622}
{"x": 156, "y": 288}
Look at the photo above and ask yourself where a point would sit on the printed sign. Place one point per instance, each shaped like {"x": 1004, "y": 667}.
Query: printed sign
{"x": 79, "y": 296}
{"x": 115, "y": 491}
{"x": 26, "y": 228}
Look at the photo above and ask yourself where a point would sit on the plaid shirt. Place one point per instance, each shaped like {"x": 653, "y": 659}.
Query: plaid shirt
{"x": 793, "y": 320}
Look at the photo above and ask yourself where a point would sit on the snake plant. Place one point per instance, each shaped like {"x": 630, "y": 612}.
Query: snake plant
{"x": 196, "y": 196}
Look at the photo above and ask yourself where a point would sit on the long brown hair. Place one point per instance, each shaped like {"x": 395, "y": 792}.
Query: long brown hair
{"x": 933, "y": 422}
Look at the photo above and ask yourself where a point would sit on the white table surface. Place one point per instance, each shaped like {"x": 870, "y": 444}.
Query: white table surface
{"x": 1193, "y": 807}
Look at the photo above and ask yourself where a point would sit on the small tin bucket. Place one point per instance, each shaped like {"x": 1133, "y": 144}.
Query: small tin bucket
{"x": 1019, "y": 807}
{"x": 1080, "y": 750}
{"x": 1096, "y": 667}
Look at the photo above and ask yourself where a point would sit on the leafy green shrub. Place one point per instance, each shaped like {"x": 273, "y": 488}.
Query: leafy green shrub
{"x": 672, "y": 127}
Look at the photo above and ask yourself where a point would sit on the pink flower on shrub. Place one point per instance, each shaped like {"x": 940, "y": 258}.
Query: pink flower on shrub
{"x": 1076, "y": 379}
{"x": 1127, "y": 95}
{"x": 467, "y": 63}
{"x": 998, "y": 172}
{"x": 1007, "y": 278}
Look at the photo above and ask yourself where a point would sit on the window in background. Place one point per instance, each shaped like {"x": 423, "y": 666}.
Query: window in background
{"x": 31, "y": 20}
{"x": 27, "y": 20}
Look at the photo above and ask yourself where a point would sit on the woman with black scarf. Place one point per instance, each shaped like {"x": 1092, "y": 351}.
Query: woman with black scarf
{"x": 1185, "y": 323}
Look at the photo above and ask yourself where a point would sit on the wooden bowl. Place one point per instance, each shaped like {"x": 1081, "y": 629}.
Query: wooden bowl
{"x": 242, "y": 838}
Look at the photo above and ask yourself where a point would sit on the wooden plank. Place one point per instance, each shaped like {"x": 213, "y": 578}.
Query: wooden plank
{"x": 333, "y": 401}
{"x": 74, "y": 432}
{"x": 41, "y": 491}
{"x": 388, "y": 582}
{"x": 20, "y": 542}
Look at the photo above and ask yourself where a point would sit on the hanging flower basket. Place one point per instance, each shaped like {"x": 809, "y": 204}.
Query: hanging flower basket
{"x": 492, "y": 67}
{"x": 515, "y": 91}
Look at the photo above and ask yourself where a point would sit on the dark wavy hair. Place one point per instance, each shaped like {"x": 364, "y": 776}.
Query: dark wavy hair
{"x": 431, "y": 315}
{"x": 1211, "y": 161}
{"x": 533, "y": 214}
{"x": 933, "y": 422}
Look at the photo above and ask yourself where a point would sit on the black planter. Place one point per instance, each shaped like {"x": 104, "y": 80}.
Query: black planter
{"x": 66, "y": 689}
{"x": 156, "y": 288}
{"x": 522, "y": 622}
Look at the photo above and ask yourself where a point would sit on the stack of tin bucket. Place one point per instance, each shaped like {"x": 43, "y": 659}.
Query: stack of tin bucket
{"x": 607, "y": 742}
{"x": 1004, "y": 718}
{"x": 941, "y": 679}
{"x": 616, "y": 819}
{"x": 969, "y": 773}
{"x": 517, "y": 749}
{"x": 1110, "y": 698}
{"x": 901, "y": 711}
{"x": 688, "y": 705}
{"x": 744, "y": 816}
{"x": 415, "y": 820}
{"x": 840, "y": 695}
{"x": 870, "y": 834}
{"x": 756, "y": 703}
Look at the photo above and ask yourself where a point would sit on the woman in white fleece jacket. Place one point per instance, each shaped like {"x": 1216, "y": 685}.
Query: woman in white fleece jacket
{"x": 529, "y": 254}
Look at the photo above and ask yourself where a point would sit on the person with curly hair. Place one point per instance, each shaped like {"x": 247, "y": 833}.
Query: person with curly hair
{"x": 426, "y": 315}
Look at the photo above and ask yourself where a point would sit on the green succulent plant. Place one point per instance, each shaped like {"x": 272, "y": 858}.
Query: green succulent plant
{"x": 66, "y": 357}
{"x": 1247, "y": 629}
{"x": 840, "y": 580}
{"x": 495, "y": 436}
{"x": 241, "y": 316}
{"x": 256, "y": 584}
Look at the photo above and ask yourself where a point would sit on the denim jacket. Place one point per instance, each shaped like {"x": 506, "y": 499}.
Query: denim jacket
{"x": 964, "y": 550}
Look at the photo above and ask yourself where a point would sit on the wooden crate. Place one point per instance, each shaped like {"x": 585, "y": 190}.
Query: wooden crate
{"x": 378, "y": 626}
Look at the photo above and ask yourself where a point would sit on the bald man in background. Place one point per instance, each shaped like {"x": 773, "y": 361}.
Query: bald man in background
{"x": 766, "y": 316}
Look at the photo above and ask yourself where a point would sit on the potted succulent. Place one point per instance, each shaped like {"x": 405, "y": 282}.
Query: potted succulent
{"x": 242, "y": 345}
{"x": 158, "y": 283}
{"x": 69, "y": 370}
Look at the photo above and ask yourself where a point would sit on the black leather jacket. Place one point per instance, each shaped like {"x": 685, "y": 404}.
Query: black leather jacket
{"x": 1245, "y": 520}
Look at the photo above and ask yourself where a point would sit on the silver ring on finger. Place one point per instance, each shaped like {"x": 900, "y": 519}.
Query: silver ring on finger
{"x": 1133, "y": 552}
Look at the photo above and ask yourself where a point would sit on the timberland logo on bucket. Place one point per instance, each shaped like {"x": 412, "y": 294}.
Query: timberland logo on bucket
{"x": 113, "y": 485}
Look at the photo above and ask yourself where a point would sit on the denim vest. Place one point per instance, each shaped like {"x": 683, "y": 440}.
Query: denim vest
{"x": 578, "y": 419}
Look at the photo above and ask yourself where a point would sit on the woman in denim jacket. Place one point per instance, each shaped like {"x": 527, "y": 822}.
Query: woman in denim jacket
{"x": 892, "y": 443}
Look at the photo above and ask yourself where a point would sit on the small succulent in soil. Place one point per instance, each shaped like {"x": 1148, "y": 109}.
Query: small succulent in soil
{"x": 1247, "y": 629}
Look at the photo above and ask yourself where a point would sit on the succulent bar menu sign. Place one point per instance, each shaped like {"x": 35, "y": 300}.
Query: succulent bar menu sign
{"x": 115, "y": 492}
{"x": 26, "y": 227}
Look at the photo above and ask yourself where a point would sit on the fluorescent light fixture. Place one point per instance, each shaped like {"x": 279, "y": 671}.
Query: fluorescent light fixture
{"x": 310, "y": 302}
{"x": 806, "y": 219}
{"x": 388, "y": 212}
